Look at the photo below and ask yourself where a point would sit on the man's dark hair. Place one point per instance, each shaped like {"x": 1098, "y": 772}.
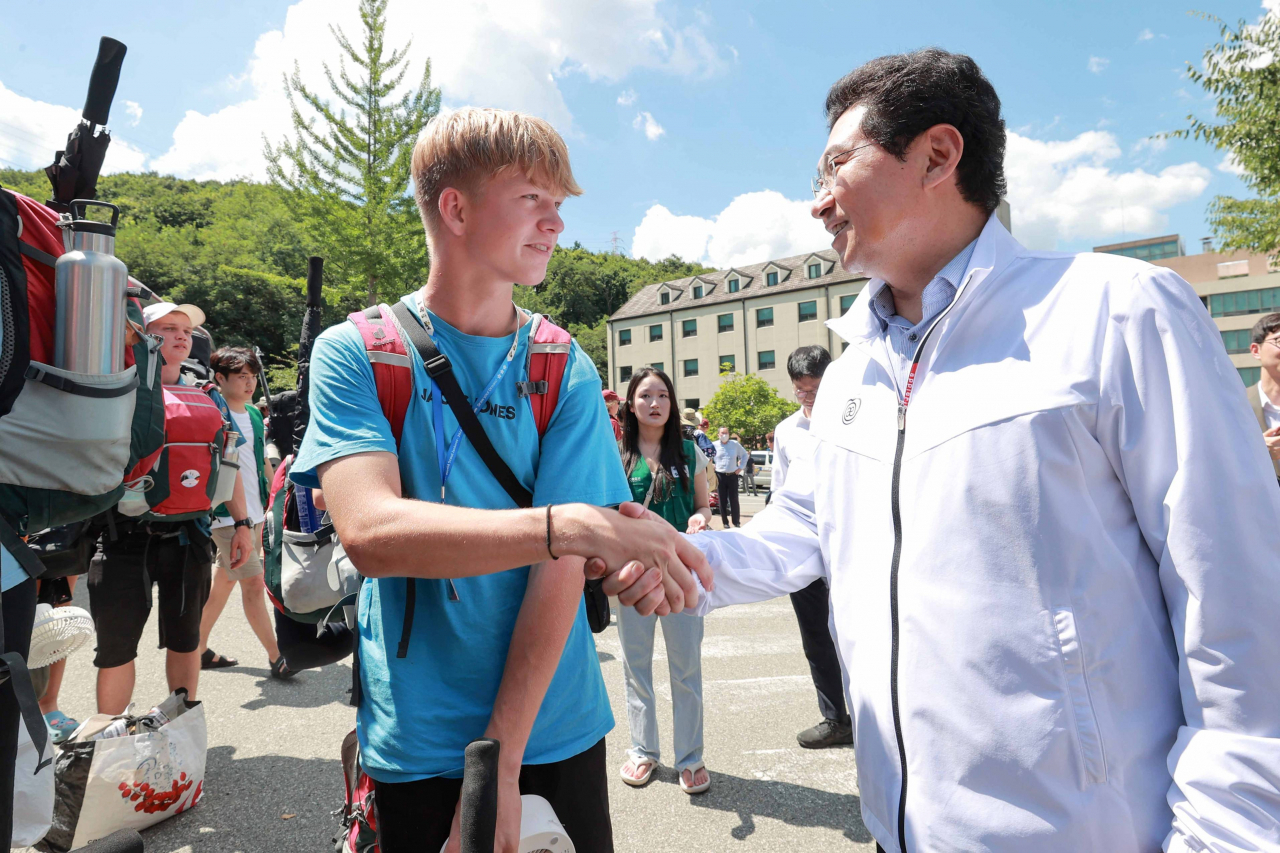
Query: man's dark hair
{"x": 229, "y": 360}
{"x": 808, "y": 361}
{"x": 908, "y": 93}
{"x": 1265, "y": 328}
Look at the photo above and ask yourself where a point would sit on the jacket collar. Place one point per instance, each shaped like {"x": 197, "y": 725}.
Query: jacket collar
{"x": 994, "y": 250}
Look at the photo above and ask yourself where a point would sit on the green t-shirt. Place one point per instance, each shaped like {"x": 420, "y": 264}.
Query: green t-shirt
{"x": 676, "y": 507}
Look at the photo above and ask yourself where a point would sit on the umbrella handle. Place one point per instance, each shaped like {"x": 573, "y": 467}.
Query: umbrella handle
{"x": 103, "y": 80}
{"x": 479, "y": 819}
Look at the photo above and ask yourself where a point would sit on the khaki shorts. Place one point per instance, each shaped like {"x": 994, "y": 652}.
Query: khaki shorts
{"x": 252, "y": 566}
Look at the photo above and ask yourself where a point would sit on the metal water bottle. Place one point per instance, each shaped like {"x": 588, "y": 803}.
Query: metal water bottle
{"x": 90, "y": 285}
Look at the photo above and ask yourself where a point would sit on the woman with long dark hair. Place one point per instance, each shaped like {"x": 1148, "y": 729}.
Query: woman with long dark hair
{"x": 663, "y": 470}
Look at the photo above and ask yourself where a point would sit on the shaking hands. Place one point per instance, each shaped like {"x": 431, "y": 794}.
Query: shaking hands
{"x": 643, "y": 560}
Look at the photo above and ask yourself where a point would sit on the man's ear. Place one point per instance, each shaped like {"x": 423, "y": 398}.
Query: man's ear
{"x": 943, "y": 146}
{"x": 452, "y": 207}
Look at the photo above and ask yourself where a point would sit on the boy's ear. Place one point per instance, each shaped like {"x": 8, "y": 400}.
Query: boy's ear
{"x": 452, "y": 207}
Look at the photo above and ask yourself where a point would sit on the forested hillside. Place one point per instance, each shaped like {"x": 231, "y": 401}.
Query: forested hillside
{"x": 239, "y": 251}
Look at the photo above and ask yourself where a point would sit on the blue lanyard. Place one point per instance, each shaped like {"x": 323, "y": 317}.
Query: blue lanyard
{"x": 446, "y": 456}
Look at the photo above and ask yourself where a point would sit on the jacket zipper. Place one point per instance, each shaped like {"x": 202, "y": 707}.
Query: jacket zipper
{"x": 893, "y": 572}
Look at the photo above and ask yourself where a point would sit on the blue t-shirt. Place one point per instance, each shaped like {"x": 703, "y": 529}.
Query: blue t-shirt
{"x": 419, "y": 712}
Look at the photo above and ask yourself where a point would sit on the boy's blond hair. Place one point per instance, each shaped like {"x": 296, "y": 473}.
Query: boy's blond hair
{"x": 473, "y": 144}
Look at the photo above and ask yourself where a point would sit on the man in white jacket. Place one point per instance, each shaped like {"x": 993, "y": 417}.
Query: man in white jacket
{"x": 1043, "y": 508}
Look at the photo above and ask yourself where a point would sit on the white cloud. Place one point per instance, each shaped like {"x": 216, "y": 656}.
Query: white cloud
{"x": 1229, "y": 163}
{"x": 1146, "y": 35}
{"x": 134, "y": 110}
{"x": 652, "y": 130}
{"x": 1272, "y": 6}
{"x": 1064, "y": 190}
{"x": 753, "y": 228}
{"x": 627, "y": 97}
{"x": 31, "y": 131}
{"x": 1098, "y": 64}
{"x": 501, "y": 53}
{"x": 1154, "y": 144}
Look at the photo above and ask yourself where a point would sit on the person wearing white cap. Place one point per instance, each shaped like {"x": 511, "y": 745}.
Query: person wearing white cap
{"x": 177, "y": 556}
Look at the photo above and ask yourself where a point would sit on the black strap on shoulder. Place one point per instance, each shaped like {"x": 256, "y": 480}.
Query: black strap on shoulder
{"x": 35, "y": 254}
{"x": 14, "y": 544}
{"x": 410, "y": 594}
{"x": 439, "y": 369}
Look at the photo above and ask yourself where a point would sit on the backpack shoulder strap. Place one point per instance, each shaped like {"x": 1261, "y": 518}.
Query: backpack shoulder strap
{"x": 392, "y": 369}
{"x": 549, "y": 347}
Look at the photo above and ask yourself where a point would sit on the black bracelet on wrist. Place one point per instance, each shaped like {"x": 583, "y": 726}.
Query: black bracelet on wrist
{"x": 549, "y": 551}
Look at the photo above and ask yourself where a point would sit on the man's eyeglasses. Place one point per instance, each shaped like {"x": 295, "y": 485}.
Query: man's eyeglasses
{"x": 826, "y": 177}
{"x": 1275, "y": 342}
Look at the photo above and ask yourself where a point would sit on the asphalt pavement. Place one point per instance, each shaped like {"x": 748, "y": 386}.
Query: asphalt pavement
{"x": 273, "y": 775}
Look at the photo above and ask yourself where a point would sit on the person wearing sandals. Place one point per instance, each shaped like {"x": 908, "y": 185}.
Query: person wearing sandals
{"x": 664, "y": 471}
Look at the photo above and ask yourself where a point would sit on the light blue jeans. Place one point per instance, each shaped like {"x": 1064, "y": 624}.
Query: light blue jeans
{"x": 683, "y": 636}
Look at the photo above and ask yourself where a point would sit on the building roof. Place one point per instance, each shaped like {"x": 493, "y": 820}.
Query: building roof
{"x": 794, "y": 276}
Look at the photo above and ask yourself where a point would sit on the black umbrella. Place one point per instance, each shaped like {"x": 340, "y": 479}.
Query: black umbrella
{"x": 312, "y": 326}
{"x": 74, "y": 173}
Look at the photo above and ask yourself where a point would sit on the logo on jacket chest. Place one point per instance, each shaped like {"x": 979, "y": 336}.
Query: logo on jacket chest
{"x": 851, "y": 410}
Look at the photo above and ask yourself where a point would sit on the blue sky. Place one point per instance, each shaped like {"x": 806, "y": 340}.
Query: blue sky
{"x": 694, "y": 127}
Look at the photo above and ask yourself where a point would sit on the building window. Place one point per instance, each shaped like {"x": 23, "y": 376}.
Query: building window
{"x": 693, "y": 403}
{"x": 1154, "y": 251}
{"x": 624, "y": 337}
{"x": 690, "y": 328}
{"x": 624, "y": 375}
{"x": 1250, "y": 375}
{"x": 808, "y": 311}
{"x": 691, "y": 368}
{"x": 765, "y": 360}
{"x": 1245, "y": 302}
{"x": 728, "y": 363}
{"x": 815, "y": 270}
{"x": 655, "y": 333}
{"x": 1236, "y": 341}
{"x": 725, "y": 322}
{"x": 846, "y": 301}
{"x": 770, "y": 279}
{"x": 665, "y": 297}
{"x": 764, "y": 317}
{"x": 697, "y": 291}
{"x": 734, "y": 285}
{"x": 658, "y": 365}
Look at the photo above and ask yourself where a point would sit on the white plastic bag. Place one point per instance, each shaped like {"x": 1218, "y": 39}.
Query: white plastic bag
{"x": 128, "y": 782}
{"x": 32, "y": 794}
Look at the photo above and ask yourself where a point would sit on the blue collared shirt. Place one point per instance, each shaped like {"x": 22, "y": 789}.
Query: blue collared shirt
{"x": 902, "y": 337}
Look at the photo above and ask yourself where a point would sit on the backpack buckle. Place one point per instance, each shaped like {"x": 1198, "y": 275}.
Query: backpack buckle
{"x": 438, "y": 366}
{"x": 526, "y": 389}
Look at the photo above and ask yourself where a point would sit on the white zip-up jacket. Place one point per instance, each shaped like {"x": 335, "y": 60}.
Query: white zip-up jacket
{"x": 1055, "y": 576}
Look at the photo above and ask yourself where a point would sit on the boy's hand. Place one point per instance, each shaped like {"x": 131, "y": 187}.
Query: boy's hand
{"x": 653, "y": 589}
{"x": 242, "y": 545}
{"x": 1272, "y": 437}
{"x": 506, "y": 838}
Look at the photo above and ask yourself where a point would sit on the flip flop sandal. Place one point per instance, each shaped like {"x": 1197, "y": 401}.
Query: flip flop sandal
{"x": 212, "y": 660}
{"x": 60, "y": 726}
{"x": 638, "y": 781}
{"x": 693, "y": 774}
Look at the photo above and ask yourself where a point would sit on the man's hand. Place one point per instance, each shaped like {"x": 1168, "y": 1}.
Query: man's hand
{"x": 652, "y": 590}
{"x": 242, "y": 546}
{"x": 1272, "y": 438}
{"x": 506, "y": 838}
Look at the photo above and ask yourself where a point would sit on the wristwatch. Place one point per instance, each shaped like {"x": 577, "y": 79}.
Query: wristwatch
{"x": 244, "y": 522}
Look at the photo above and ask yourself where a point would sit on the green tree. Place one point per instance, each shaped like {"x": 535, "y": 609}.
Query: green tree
{"x": 749, "y": 406}
{"x": 351, "y": 174}
{"x": 594, "y": 341}
{"x": 1242, "y": 72}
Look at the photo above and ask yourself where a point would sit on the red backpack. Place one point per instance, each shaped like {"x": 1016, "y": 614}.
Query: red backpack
{"x": 393, "y": 369}
{"x": 181, "y": 479}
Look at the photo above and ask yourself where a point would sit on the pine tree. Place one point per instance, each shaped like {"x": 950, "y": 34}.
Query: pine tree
{"x": 352, "y": 173}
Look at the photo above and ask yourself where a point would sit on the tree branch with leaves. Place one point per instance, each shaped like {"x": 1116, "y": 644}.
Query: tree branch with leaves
{"x": 349, "y": 163}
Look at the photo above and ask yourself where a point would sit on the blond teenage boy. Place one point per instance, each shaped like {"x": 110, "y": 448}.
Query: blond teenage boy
{"x": 499, "y": 645}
